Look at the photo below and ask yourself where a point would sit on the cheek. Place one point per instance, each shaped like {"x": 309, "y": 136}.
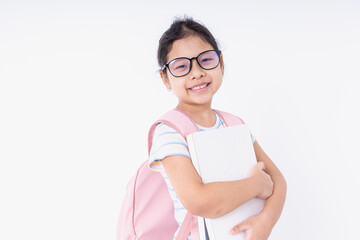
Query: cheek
{"x": 218, "y": 82}
{"x": 219, "y": 77}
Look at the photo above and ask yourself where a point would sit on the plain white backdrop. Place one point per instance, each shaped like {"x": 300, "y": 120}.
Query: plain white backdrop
{"x": 79, "y": 89}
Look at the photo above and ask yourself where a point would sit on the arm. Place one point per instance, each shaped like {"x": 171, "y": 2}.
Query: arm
{"x": 274, "y": 204}
{"x": 263, "y": 223}
{"x": 215, "y": 199}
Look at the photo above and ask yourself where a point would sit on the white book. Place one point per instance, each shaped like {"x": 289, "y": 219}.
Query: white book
{"x": 224, "y": 154}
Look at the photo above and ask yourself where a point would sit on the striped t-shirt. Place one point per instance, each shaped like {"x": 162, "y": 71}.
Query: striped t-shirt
{"x": 168, "y": 142}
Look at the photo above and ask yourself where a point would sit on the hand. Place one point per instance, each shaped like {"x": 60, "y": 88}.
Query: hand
{"x": 255, "y": 228}
{"x": 264, "y": 180}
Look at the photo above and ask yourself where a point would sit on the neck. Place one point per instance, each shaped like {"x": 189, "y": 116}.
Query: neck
{"x": 201, "y": 114}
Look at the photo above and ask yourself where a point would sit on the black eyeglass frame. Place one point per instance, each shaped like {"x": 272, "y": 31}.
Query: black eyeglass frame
{"x": 166, "y": 65}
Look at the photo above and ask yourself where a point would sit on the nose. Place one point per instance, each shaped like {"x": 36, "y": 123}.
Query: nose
{"x": 196, "y": 71}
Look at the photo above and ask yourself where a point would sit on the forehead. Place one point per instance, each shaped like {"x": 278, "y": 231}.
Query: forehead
{"x": 188, "y": 47}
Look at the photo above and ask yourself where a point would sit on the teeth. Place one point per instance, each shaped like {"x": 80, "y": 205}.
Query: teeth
{"x": 199, "y": 87}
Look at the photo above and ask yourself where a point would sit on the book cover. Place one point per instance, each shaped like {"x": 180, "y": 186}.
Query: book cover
{"x": 224, "y": 154}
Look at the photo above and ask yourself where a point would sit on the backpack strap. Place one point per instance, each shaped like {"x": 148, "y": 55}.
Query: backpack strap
{"x": 229, "y": 119}
{"x": 186, "y": 227}
{"x": 176, "y": 119}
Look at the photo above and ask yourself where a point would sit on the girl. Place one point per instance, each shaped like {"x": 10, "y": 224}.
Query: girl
{"x": 192, "y": 67}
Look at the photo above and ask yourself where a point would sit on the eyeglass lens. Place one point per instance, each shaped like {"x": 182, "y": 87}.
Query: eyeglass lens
{"x": 181, "y": 66}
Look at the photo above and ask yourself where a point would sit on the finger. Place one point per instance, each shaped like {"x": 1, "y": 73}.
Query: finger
{"x": 239, "y": 228}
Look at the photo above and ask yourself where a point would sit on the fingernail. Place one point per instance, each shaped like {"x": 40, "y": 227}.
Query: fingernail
{"x": 232, "y": 231}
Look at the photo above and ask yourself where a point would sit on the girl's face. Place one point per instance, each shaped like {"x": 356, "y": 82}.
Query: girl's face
{"x": 199, "y": 86}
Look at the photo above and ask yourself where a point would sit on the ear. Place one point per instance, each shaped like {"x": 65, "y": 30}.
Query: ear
{"x": 165, "y": 80}
{"x": 222, "y": 63}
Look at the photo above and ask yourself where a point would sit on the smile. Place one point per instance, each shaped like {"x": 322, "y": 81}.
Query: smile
{"x": 200, "y": 87}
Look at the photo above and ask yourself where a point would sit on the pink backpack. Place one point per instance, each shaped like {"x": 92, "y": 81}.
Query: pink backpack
{"x": 147, "y": 212}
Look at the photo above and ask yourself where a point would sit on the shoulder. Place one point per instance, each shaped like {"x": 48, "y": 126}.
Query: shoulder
{"x": 164, "y": 129}
{"x": 178, "y": 120}
{"x": 164, "y": 134}
{"x": 166, "y": 142}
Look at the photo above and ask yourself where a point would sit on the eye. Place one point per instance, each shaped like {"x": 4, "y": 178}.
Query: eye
{"x": 181, "y": 67}
{"x": 207, "y": 60}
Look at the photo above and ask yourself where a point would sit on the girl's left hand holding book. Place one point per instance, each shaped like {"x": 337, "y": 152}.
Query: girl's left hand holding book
{"x": 259, "y": 227}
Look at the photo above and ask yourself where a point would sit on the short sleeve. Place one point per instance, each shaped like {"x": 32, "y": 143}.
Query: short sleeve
{"x": 166, "y": 142}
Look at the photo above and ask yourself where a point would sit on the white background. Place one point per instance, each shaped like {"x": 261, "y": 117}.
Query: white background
{"x": 79, "y": 89}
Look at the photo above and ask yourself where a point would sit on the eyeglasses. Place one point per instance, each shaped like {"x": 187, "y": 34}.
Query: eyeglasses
{"x": 179, "y": 67}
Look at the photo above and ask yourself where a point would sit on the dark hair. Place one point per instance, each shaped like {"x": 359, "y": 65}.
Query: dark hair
{"x": 179, "y": 29}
